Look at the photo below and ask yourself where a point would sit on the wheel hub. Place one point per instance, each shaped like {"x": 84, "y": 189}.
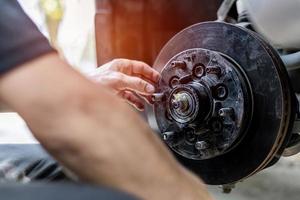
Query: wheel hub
{"x": 205, "y": 104}
{"x": 224, "y": 104}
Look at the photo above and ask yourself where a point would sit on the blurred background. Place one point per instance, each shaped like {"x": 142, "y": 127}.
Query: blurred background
{"x": 69, "y": 25}
{"x": 135, "y": 29}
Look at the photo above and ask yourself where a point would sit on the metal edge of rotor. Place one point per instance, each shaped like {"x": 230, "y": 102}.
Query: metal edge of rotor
{"x": 288, "y": 102}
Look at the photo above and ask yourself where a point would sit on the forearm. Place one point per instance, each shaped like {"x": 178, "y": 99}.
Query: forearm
{"x": 93, "y": 133}
{"x": 51, "y": 97}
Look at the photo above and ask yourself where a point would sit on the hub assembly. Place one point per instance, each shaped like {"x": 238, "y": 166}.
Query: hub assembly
{"x": 224, "y": 104}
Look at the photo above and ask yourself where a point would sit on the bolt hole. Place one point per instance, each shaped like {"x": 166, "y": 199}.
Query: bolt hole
{"x": 190, "y": 136}
{"x": 174, "y": 82}
{"x": 216, "y": 126}
{"x": 220, "y": 92}
{"x": 199, "y": 70}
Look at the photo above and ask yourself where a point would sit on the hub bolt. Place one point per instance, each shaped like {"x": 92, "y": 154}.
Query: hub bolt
{"x": 201, "y": 145}
{"x": 157, "y": 97}
{"x": 224, "y": 112}
{"x": 179, "y": 64}
{"x": 167, "y": 136}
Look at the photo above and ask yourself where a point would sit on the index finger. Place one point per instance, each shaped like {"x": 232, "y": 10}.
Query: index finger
{"x": 142, "y": 69}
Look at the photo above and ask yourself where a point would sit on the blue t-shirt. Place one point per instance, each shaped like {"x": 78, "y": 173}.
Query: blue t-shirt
{"x": 20, "y": 40}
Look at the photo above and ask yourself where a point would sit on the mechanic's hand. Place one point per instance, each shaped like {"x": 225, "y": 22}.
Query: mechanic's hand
{"x": 93, "y": 134}
{"x": 128, "y": 78}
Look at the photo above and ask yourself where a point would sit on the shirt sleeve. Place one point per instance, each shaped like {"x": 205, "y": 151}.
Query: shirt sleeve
{"x": 20, "y": 39}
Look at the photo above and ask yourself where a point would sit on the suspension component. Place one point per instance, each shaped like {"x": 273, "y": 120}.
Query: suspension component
{"x": 227, "y": 97}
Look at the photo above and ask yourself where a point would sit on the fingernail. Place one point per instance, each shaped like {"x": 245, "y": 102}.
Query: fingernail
{"x": 150, "y": 88}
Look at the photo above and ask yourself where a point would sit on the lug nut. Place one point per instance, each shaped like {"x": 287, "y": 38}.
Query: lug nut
{"x": 201, "y": 145}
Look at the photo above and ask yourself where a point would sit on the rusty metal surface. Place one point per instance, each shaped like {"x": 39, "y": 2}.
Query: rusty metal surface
{"x": 274, "y": 105}
{"x": 138, "y": 29}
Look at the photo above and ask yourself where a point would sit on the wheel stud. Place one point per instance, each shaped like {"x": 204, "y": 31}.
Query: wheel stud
{"x": 224, "y": 112}
{"x": 201, "y": 145}
{"x": 179, "y": 64}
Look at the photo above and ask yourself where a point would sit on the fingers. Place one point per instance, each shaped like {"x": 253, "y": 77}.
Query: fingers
{"x": 138, "y": 69}
{"x": 136, "y": 84}
{"x": 123, "y": 74}
{"x": 133, "y": 99}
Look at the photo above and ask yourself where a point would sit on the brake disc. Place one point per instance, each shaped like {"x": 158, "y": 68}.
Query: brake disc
{"x": 224, "y": 104}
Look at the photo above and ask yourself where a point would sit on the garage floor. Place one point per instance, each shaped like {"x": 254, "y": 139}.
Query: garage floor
{"x": 279, "y": 182}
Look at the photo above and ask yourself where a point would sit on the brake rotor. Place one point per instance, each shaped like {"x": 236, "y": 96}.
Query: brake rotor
{"x": 226, "y": 107}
